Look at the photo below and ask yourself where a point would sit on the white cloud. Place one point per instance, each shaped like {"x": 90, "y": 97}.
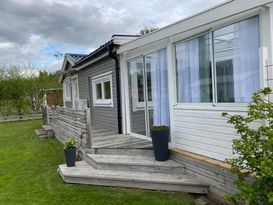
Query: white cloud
{"x": 5, "y": 45}
{"x": 34, "y": 31}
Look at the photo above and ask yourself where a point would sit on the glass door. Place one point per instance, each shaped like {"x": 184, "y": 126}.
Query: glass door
{"x": 148, "y": 91}
{"x": 137, "y": 97}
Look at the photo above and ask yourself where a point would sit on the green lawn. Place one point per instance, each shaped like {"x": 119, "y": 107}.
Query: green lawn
{"x": 28, "y": 175}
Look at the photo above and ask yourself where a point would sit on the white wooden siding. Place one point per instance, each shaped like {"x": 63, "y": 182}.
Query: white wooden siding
{"x": 204, "y": 132}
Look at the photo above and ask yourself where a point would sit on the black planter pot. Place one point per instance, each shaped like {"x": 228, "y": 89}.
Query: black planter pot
{"x": 160, "y": 141}
{"x": 70, "y": 156}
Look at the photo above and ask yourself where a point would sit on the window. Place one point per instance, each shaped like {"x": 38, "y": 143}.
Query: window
{"x": 102, "y": 90}
{"x": 136, "y": 70}
{"x": 67, "y": 90}
{"x": 236, "y": 65}
{"x": 193, "y": 65}
{"x": 236, "y": 51}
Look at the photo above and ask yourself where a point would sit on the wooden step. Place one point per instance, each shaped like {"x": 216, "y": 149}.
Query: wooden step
{"x": 134, "y": 163}
{"x": 47, "y": 127}
{"x": 83, "y": 173}
{"x": 41, "y": 133}
{"x": 121, "y": 151}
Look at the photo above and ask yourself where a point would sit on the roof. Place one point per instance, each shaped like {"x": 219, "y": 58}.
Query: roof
{"x": 75, "y": 57}
{"x": 78, "y": 60}
{"x": 116, "y": 40}
{"x": 72, "y": 59}
{"x": 94, "y": 53}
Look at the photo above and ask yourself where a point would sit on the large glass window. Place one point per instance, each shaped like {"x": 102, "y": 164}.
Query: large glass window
{"x": 194, "y": 70}
{"x": 236, "y": 51}
{"x": 236, "y": 65}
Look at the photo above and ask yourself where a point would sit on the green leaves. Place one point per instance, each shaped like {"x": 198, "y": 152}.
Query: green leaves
{"x": 19, "y": 94}
{"x": 254, "y": 152}
{"x": 70, "y": 143}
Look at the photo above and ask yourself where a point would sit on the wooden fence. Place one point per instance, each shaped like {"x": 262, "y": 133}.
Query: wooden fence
{"x": 71, "y": 123}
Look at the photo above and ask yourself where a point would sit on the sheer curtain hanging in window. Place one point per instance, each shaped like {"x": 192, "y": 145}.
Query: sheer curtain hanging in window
{"x": 159, "y": 80}
{"x": 188, "y": 71}
{"x": 246, "y": 60}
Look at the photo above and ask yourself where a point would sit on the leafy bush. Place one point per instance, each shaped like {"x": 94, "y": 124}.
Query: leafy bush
{"x": 253, "y": 162}
{"x": 70, "y": 143}
{"x": 22, "y": 94}
{"x": 161, "y": 128}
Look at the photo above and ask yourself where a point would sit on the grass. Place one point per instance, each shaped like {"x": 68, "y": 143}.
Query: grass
{"x": 28, "y": 175}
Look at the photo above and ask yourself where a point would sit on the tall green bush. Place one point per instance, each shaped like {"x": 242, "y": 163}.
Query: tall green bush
{"x": 21, "y": 94}
{"x": 253, "y": 161}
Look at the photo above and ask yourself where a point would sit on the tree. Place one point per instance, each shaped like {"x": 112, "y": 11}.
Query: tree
{"x": 253, "y": 163}
{"x": 20, "y": 93}
{"x": 147, "y": 30}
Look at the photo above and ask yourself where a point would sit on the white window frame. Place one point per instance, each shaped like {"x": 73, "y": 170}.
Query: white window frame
{"x": 214, "y": 104}
{"x": 66, "y": 84}
{"x": 101, "y": 79}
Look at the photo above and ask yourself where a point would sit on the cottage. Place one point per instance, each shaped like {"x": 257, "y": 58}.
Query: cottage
{"x": 93, "y": 81}
{"x": 184, "y": 76}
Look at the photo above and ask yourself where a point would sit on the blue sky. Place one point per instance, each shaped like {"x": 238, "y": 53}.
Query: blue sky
{"x": 32, "y": 32}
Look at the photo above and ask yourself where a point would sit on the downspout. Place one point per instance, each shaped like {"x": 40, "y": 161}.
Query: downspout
{"x": 114, "y": 56}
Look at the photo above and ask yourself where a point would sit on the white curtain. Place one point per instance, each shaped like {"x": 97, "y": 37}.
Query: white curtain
{"x": 246, "y": 60}
{"x": 188, "y": 83}
{"x": 159, "y": 80}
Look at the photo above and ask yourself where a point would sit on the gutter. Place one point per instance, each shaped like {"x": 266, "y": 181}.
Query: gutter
{"x": 114, "y": 56}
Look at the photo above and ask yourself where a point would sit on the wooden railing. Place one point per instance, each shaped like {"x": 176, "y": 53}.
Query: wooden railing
{"x": 71, "y": 123}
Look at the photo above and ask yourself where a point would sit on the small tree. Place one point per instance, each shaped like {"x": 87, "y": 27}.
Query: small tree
{"x": 147, "y": 30}
{"x": 254, "y": 152}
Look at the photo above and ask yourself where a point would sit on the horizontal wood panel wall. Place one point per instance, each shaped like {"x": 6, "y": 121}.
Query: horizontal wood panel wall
{"x": 70, "y": 123}
{"x": 101, "y": 117}
{"x": 204, "y": 132}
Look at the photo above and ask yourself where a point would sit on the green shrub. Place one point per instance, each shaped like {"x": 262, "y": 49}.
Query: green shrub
{"x": 70, "y": 143}
{"x": 161, "y": 128}
{"x": 253, "y": 162}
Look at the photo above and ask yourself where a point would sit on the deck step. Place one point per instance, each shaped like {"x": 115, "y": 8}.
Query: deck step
{"x": 41, "y": 133}
{"x": 134, "y": 163}
{"x": 47, "y": 127}
{"x": 83, "y": 173}
{"x": 46, "y": 132}
{"x": 121, "y": 151}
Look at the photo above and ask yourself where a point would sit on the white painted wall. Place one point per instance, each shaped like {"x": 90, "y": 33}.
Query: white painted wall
{"x": 204, "y": 131}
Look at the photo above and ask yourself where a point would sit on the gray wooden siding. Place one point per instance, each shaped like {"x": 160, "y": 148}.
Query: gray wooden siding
{"x": 101, "y": 117}
{"x": 204, "y": 132}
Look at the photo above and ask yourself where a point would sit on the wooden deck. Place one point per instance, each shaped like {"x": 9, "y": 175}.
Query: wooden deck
{"x": 108, "y": 139}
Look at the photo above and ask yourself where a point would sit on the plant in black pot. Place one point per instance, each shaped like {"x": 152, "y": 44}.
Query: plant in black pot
{"x": 160, "y": 138}
{"x": 70, "y": 152}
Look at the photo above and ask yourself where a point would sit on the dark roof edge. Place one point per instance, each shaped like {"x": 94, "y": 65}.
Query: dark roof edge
{"x": 94, "y": 53}
{"x": 75, "y": 54}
